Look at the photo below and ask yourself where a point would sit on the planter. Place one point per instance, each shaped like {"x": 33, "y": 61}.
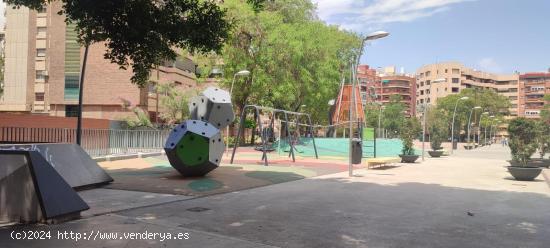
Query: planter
{"x": 524, "y": 173}
{"x": 468, "y": 147}
{"x": 408, "y": 158}
{"x": 476, "y": 145}
{"x": 435, "y": 154}
{"x": 539, "y": 163}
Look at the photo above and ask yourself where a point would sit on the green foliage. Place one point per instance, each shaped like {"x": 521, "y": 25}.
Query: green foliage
{"x": 409, "y": 131}
{"x": 142, "y": 33}
{"x": 393, "y": 115}
{"x": 293, "y": 58}
{"x": 543, "y": 137}
{"x": 173, "y": 103}
{"x": 487, "y": 99}
{"x": 522, "y": 133}
{"x": 545, "y": 112}
{"x": 437, "y": 128}
{"x": 141, "y": 119}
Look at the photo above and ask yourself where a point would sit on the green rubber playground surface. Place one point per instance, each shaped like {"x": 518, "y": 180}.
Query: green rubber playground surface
{"x": 155, "y": 175}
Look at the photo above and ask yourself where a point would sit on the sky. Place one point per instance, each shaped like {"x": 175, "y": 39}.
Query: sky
{"x": 498, "y": 36}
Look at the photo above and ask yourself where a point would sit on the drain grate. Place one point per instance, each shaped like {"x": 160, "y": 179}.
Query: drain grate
{"x": 197, "y": 209}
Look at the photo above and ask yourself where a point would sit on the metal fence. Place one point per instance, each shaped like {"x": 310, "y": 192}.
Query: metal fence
{"x": 97, "y": 142}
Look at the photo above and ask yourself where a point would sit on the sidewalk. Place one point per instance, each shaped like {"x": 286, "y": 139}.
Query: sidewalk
{"x": 467, "y": 200}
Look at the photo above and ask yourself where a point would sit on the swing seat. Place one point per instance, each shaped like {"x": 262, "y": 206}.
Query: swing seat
{"x": 268, "y": 148}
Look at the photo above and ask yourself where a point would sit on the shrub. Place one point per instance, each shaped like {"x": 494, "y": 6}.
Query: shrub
{"x": 523, "y": 134}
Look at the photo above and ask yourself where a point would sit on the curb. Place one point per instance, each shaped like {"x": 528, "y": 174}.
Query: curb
{"x": 127, "y": 156}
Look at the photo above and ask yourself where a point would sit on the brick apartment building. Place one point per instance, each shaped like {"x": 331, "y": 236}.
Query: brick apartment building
{"x": 532, "y": 88}
{"x": 458, "y": 77}
{"x": 42, "y": 71}
{"x": 379, "y": 86}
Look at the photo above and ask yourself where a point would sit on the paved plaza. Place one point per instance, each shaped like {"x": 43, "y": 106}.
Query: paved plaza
{"x": 466, "y": 200}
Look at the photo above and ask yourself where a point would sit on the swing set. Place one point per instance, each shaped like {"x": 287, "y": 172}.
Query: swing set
{"x": 267, "y": 134}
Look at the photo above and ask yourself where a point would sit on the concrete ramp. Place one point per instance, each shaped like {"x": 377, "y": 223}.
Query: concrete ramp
{"x": 72, "y": 163}
{"x": 32, "y": 191}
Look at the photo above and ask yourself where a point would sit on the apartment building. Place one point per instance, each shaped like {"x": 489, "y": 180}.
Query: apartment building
{"x": 442, "y": 79}
{"x": 379, "y": 85}
{"x": 533, "y": 87}
{"x": 368, "y": 79}
{"x": 42, "y": 71}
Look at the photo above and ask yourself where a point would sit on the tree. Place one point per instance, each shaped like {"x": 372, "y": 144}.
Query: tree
{"x": 523, "y": 133}
{"x": 490, "y": 101}
{"x": 393, "y": 115}
{"x": 437, "y": 128}
{"x": 545, "y": 113}
{"x": 293, "y": 58}
{"x": 174, "y": 103}
{"x": 142, "y": 33}
{"x": 411, "y": 129}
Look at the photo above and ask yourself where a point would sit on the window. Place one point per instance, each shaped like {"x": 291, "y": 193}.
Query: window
{"x": 40, "y": 76}
{"x": 42, "y": 10}
{"x": 421, "y": 92}
{"x": 428, "y": 73}
{"x": 39, "y": 97}
{"x": 41, "y": 52}
{"x": 71, "y": 110}
{"x": 428, "y": 82}
{"x": 41, "y": 32}
{"x": 456, "y": 71}
{"x": 446, "y": 70}
{"x": 455, "y": 89}
{"x": 513, "y": 90}
{"x": 455, "y": 80}
{"x": 421, "y": 100}
{"x": 427, "y": 91}
{"x": 428, "y": 100}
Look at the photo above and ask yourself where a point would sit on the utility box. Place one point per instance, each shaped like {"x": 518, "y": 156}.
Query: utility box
{"x": 356, "y": 151}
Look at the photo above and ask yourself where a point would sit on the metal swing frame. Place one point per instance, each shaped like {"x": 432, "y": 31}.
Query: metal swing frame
{"x": 256, "y": 110}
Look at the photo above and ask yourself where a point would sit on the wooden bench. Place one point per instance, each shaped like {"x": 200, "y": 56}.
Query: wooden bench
{"x": 382, "y": 161}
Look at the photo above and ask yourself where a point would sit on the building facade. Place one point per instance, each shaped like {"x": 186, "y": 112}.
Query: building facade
{"x": 379, "y": 86}
{"x": 42, "y": 72}
{"x": 533, "y": 87}
{"x": 442, "y": 79}
{"x": 368, "y": 80}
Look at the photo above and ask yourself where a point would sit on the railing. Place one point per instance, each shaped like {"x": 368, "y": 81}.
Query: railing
{"x": 97, "y": 142}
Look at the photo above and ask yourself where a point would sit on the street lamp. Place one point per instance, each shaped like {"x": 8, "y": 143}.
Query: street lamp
{"x": 453, "y": 124}
{"x": 243, "y": 73}
{"x": 424, "y": 113}
{"x": 470, "y": 121}
{"x": 381, "y": 107}
{"x": 479, "y": 131}
{"x": 372, "y": 36}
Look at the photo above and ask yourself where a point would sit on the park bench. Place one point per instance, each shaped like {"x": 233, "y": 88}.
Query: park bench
{"x": 382, "y": 161}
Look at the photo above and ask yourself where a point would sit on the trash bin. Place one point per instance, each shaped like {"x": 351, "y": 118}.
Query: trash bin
{"x": 356, "y": 151}
{"x": 455, "y": 144}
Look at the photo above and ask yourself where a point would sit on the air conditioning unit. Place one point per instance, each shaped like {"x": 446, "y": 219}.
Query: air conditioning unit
{"x": 44, "y": 73}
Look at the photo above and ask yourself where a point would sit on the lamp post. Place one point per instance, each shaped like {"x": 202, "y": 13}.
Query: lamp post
{"x": 479, "y": 131}
{"x": 470, "y": 121}
{"x": 243, "y": 73}
{"x": 453, "y": 123}
{"x": 372, "y": 36}
{"x": 381, "y": 107}
{"x": 425, "y": 112}
{"x": 485, "y": 130}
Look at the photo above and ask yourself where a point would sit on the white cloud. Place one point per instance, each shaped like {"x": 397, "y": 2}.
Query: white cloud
{"x": 490, "y": 65}
{"x": 354, "y": 13}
